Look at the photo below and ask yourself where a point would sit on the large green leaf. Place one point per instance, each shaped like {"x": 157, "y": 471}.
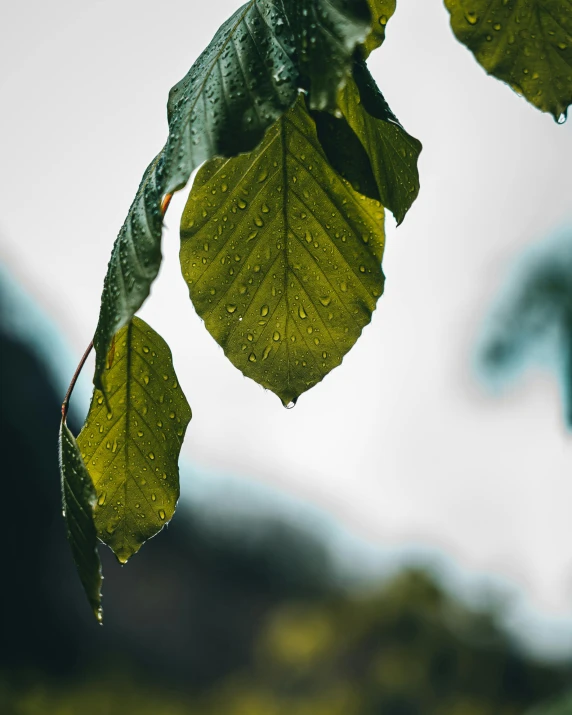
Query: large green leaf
{"x": 131, "y": 444}
{"x": 526, "y": 43}
{"x": 381, "y": 11}
{"x": 251, "y": 72}
{"x": 392, "y": 151}
{"x": 79, "y": 499}
{"x": 248, "y": 76}
{"x": 282, "y": 258}
{"x": 134, "y": 264}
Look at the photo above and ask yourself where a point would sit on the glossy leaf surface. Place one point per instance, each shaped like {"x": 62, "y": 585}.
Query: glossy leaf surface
{"x": 131, "y": 449}
{"x": 250, "y": 75}
{"x": 282, "y": 258}
{"x": 133, "y": 266}
{"x": 393, "y": 152}
{"x": 79, "y": 499}
{"x": 381, "y": 11}
{"x": 526, "y": 43}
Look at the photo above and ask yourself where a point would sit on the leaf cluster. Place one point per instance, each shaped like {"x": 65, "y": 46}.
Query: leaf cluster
{"x": 282, "y": 237}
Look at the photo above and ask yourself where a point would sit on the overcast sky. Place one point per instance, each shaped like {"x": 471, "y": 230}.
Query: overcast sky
{"x": 399, "y": 443}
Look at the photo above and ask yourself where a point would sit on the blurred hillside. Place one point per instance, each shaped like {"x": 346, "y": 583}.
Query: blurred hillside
{"x": 204, "y": 622}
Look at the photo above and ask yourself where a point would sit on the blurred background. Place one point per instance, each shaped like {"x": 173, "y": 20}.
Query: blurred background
{"x": 400, "y": 542}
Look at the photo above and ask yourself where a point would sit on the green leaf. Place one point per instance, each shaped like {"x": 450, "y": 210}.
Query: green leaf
{"x": 381, "y": 11}
{"x": 251, "y": 73}
{"x": 282, "y": 258}
{"x": 79, "y": 499}
{"x": 131, "y": 448}
{"x": 392, "y": 151}
{"x": 248, "y": 76}
{"x": 134, "y": 265}
{"x": 526, "y": 43}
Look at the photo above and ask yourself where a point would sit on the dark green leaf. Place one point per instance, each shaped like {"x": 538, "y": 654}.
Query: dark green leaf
{"x": 526, "y": 43}
{"x": 251, "y": 73}
{"x": 131, "y": 448}
{"x": 79, "y": 499}
{"x": 134, "y": 264}
{"x": 282, "y": 258}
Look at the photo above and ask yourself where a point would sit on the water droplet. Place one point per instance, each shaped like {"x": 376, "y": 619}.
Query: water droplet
{"x": 302, "y": 312}
{"x": 231, "y": 308}
{"x": 252, "y": 357}
{"x": 241, "y": 203}
{"x": 471, "y": 17}
{"x": 161, "y": 515}
{"x": 276, "y": 336}
{"x": 153, "y": 497}
{"x": 101, "y": 500}
{"x": 264, "y": 311}
{"x": 325, "y": 300}
{"x": 151, "y": 455}
{"x": 146, "y": 379}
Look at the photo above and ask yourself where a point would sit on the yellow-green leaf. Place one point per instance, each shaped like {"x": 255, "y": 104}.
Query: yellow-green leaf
{"x": 282, "y": 258}
{"x": 131, "y": 443}
{"x": 393, "y": 152}
{"x": 526, "y": 43}
{"x": 79, "y": 499}
{"x": 381, "y": 11}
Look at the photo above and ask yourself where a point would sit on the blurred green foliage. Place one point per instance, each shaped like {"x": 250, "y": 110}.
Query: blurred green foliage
{"x": 405, "y": 649}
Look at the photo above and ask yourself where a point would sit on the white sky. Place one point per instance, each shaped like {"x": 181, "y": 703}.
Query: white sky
{"x": 398, "y": 443}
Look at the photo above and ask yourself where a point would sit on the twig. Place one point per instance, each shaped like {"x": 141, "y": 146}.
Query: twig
{"x": 65, "y": 403}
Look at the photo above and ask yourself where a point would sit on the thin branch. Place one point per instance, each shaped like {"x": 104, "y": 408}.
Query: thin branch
{"x": 65, "y": 403}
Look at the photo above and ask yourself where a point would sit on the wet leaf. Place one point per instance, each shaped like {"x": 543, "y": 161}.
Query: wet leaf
{"x": 251, "y": 73}
{"x": 393, "y": 152}
{"x": 381, "y": 11}
{"x": 131, "y": 449}
{"x": 79, "y": 499}
{"x": 133, "y": 266}
{"x": 282, "y": 258}
{"x": 248, "y": 76}
{"x": 526, "y": 43}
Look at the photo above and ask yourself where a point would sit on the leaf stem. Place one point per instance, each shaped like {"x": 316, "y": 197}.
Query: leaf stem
{"x": 165, "y": 203}
{"x": 65, "y": 403}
